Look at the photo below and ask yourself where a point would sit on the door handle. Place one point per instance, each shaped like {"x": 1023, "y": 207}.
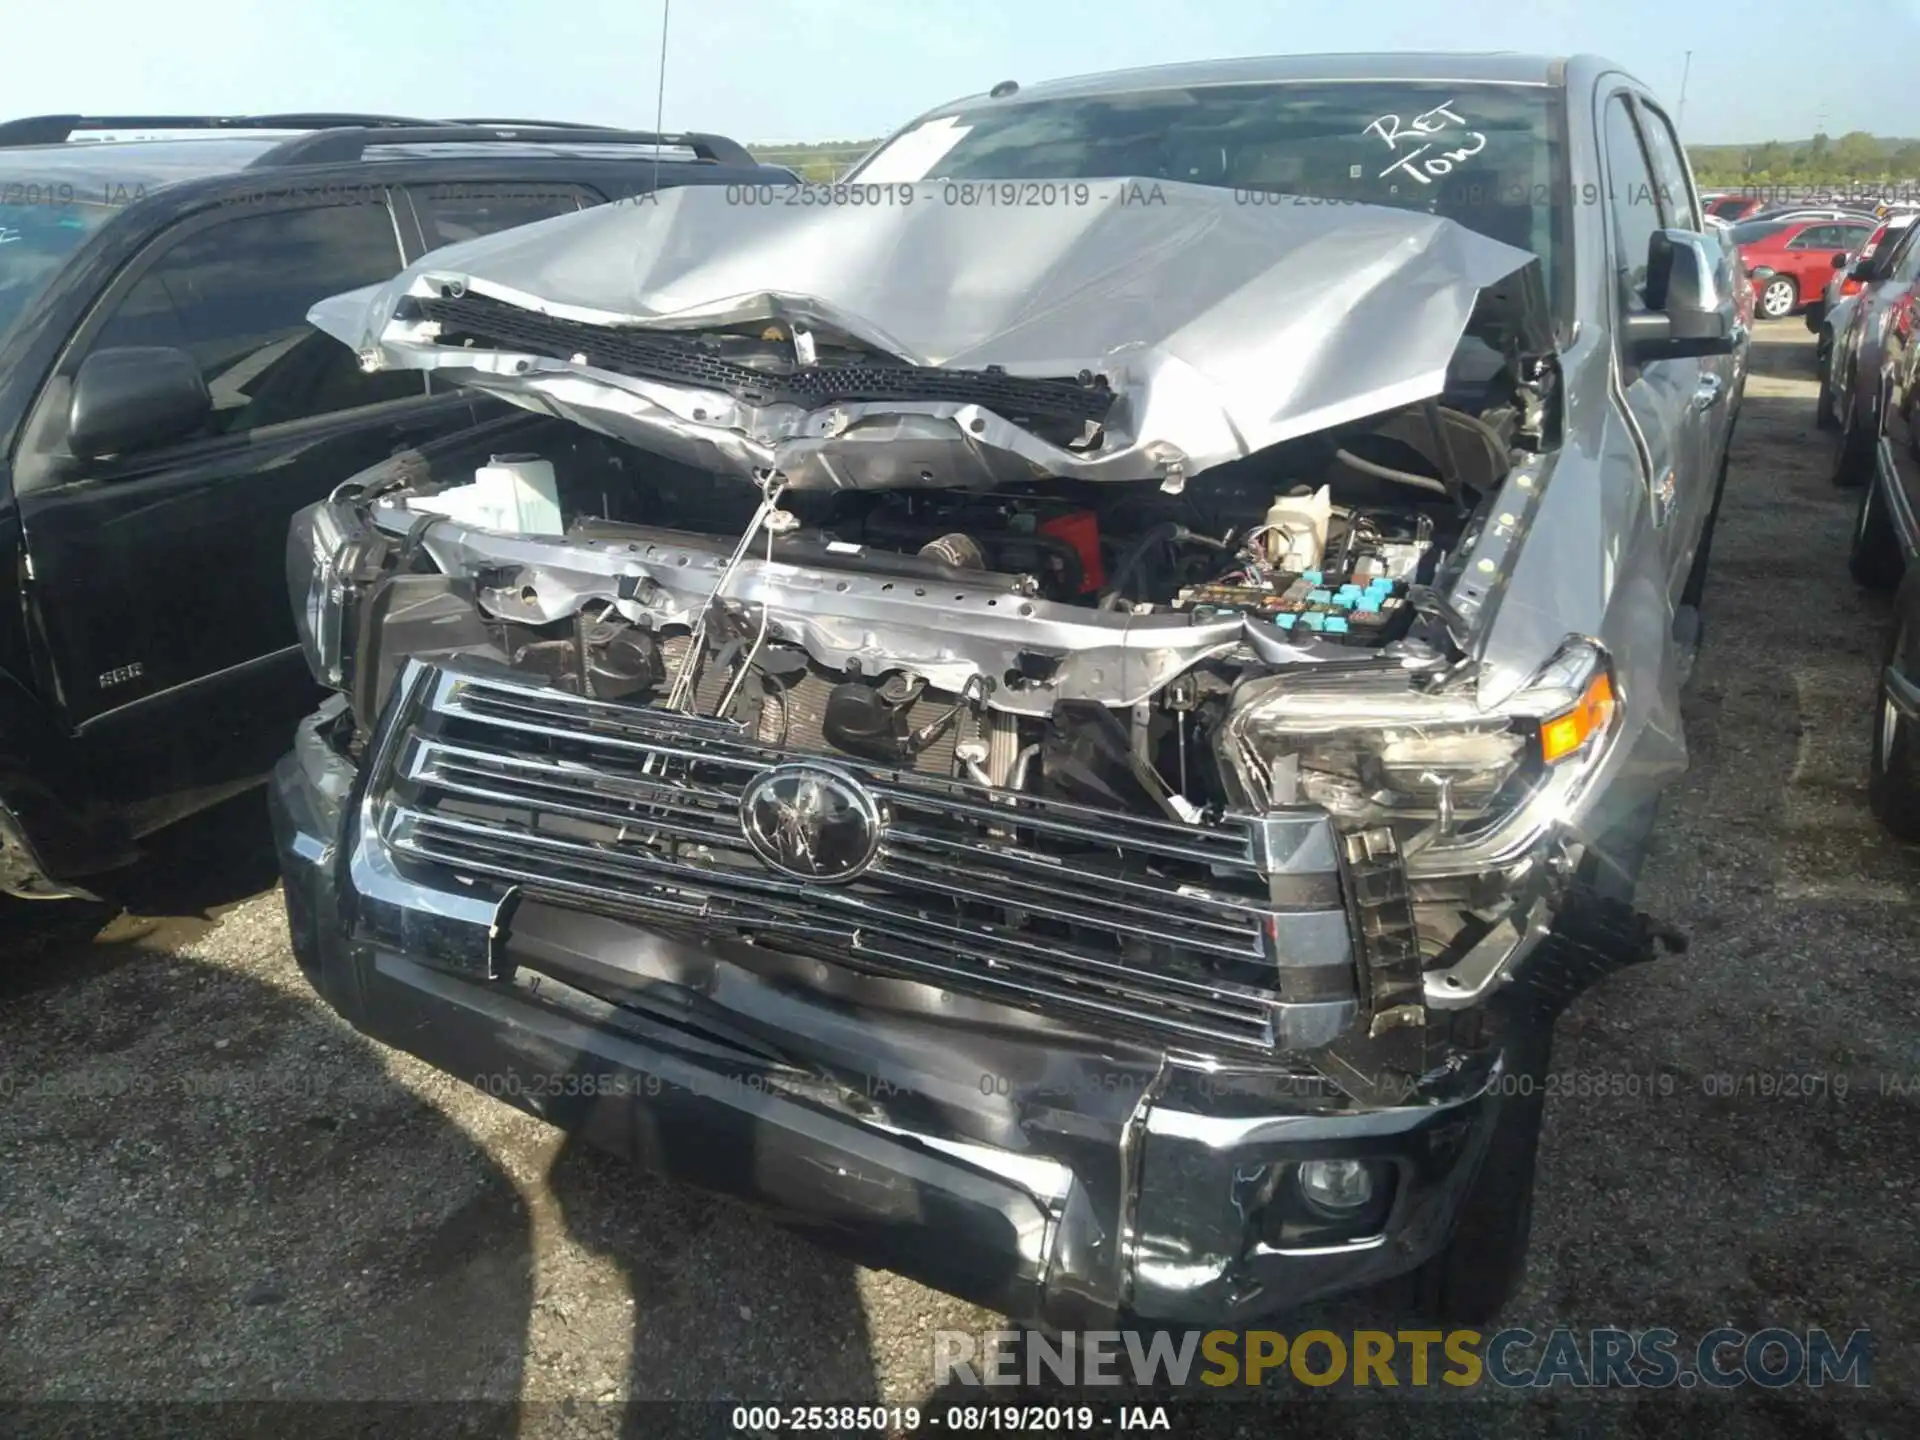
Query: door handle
{"x": 1710, "y": 389}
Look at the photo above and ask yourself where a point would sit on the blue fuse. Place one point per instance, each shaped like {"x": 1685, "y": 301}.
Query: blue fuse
{"x": 1312, "y": 577}
{"x": 1336, "y": 625}
{"x": 1368, "y": 605}
{"x": 1285, "y": 620}
{"x": 1320, "y": 597}
{"x": 1313, "y": 619}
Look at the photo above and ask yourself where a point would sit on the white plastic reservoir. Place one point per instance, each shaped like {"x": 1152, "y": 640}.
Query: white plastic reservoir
{"x": 514, "y": 493}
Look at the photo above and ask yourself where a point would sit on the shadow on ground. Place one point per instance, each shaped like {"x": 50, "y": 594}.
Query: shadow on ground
{"x": 188, "y": 876}
{"x": 226, "y": 1203}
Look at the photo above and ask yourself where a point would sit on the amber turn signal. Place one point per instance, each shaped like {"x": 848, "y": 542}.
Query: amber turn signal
{"x": 1565, "y": 733}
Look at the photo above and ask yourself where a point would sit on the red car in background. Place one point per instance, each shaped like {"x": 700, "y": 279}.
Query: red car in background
{"x": 1733, "y": 208}
{"x": 1791, "y": 261}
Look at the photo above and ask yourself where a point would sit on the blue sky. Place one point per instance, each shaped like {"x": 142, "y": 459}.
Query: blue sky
{"x": 849, "y": 69}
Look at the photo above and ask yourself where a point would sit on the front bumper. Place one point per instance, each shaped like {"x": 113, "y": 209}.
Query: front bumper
{"x": 1062, "y": 1178}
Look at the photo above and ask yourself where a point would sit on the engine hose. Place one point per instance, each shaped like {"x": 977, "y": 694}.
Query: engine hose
{"x": 1131, "y": 561}
{"x": 1387, "y": 472}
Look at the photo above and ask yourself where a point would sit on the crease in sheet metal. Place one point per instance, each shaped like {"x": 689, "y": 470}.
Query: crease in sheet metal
{"x": 1223, "y": 327}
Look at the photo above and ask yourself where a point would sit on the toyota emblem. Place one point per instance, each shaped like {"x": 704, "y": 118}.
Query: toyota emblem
{"x": 813, "y": 822}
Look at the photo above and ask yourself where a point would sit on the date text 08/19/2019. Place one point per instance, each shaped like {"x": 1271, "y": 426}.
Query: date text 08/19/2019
{"x": 957, "y": 1419}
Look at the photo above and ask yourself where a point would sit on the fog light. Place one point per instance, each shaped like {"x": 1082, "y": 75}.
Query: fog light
{"x": 1336, "y": 1187}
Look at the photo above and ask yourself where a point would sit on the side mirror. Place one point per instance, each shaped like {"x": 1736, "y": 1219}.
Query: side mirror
{"x": 135, "y": 397}
{"x": 1686, "y": 315}
{"x": 1842, "y": 260}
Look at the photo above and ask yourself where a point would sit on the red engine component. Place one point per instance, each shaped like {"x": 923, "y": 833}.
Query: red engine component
{"x": 1081, "y": 530}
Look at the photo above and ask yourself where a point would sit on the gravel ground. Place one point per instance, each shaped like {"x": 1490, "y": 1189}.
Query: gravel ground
{"x": 215, "y": 1191}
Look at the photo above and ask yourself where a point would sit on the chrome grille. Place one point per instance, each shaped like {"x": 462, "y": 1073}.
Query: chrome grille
{"x": 1234, "y": 933}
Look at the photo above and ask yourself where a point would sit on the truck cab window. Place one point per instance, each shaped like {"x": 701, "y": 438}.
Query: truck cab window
{"x": 1633, "y": 202}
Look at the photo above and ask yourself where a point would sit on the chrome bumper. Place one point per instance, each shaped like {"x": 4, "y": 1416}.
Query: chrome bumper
{"x": 1054, "y": 1173}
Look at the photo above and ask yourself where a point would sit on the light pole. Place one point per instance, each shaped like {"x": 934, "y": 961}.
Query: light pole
{"x": 1680, "y": 111}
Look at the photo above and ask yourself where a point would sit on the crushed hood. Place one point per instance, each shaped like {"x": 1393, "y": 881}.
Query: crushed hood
{"x": 1151, "y": 332}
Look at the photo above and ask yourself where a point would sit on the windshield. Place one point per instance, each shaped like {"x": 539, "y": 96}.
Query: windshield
{"x": 36, "y": 239}
{"x": 1751, "y": 232}
{"x": 1488, "y": 156}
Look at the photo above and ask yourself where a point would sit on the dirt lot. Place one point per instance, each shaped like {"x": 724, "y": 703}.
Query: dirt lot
{"x": 214, "y": 1191}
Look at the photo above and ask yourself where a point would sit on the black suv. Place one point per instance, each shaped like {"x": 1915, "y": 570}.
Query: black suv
{"x": 165, "y": 408}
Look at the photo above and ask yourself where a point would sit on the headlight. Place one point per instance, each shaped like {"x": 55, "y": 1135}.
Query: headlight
{"x": 1436, "y": 767}
{"x": 316, "y": 541}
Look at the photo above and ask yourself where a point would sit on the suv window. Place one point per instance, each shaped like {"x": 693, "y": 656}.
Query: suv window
{"x": 235, "y": 296}
{"x": 39, "y": 231}
{"x": 1633, "y": 201}
{"x": 1670, "y": 170}
{"x": 452, "y": 212}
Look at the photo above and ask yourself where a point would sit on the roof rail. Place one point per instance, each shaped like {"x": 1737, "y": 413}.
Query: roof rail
{"x": 329, "y": 147}
{"x": 56, "y": 129}
{"x": 542, "y": 124}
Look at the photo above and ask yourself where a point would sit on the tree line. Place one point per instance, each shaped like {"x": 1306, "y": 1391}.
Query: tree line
{"x": 819, "y": 161}
{"x": 1856, "y": 157}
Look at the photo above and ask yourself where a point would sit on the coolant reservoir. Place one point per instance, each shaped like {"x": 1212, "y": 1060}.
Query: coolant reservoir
{"x": 514, "y": 493}
{"x": 1298, "y": 538}
{"x": 524, "y": 489}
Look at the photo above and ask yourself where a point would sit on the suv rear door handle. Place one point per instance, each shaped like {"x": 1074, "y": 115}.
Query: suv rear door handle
{"x": 1710, "y": 389}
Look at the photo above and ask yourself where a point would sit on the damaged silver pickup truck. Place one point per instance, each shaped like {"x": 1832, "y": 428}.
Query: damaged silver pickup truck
{"x": 1064, "y": 714}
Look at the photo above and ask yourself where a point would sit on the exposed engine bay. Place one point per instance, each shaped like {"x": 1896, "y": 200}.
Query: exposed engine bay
{"x": 1197, "y": 594}
{"x": 910, "y": 525}
{"x": 1332, "y": 544}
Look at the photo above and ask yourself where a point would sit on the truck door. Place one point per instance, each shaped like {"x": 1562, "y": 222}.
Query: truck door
{"x": 1713, "y": 394}
{"x": 1668, "y": 399}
